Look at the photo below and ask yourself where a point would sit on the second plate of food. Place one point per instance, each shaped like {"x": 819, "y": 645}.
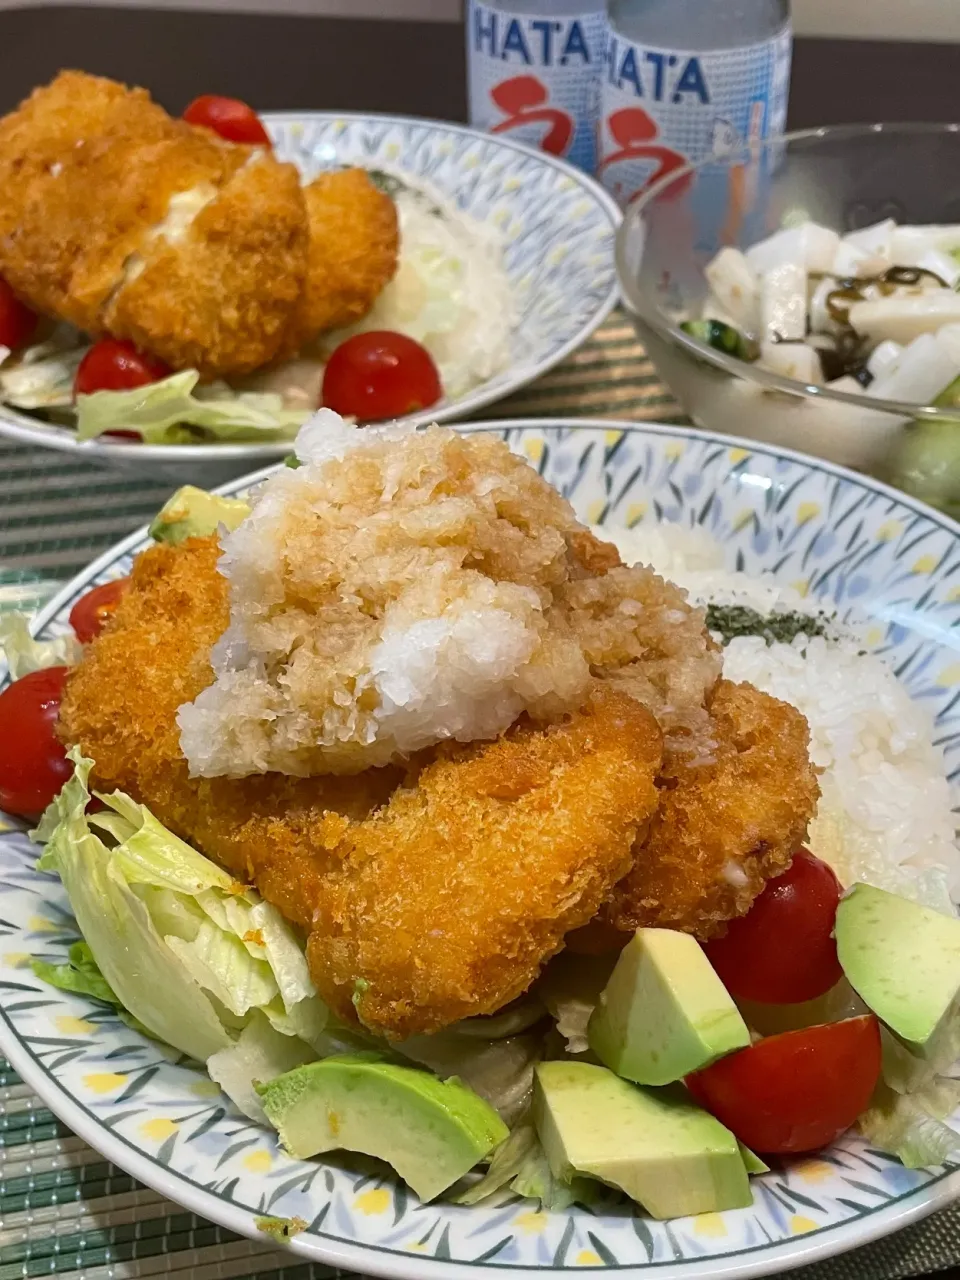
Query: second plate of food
{"x": 495, "y": 258}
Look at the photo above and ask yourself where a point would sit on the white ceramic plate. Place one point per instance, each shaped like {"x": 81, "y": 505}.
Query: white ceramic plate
{"x": 849, "y": 541}
{"x": 558, "y": 229}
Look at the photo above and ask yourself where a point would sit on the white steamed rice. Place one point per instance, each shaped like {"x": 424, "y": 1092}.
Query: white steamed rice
{"x": 885, "y": 815}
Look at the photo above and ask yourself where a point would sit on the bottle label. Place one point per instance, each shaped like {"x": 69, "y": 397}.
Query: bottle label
{"x": 537, "y": 79}
{"x": 662, "y": 109}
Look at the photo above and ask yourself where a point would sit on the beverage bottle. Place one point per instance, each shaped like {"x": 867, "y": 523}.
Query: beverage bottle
{"x": 533, "y": 72}
{"x": 686, "y": 78}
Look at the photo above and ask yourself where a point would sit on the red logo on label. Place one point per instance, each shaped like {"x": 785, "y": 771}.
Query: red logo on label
{"x": 635, "y": 132}
{"x": 523, "y": 101}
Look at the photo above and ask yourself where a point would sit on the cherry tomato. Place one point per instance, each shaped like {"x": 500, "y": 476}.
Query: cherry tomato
{"x": 782, "y": 951}
{"x": 88, "y": 615}
{"x": 17, "y": 322}
{"x": 380, "y": 375}
{"x": 114, "y": 365}
{"x": 797, "y": 1091}
{"x": 33, "y": 763}
{"x": 229, "y": 117}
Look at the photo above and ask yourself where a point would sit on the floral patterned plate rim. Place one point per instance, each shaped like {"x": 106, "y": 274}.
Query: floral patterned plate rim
{"x": 557, "y": 224}
{"x": 845, "y": 538}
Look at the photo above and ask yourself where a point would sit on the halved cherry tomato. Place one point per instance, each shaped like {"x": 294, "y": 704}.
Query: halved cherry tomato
{"x": 91, "y": 611}
{"x": 229, "y": 117}
{"x": 378, "y": 375}
{"x": 18, "y": 323}
{"x": 797, "y": 1091}
{"x": 783, "y": 951}
{"x": 33, "y": 763}
{"x": 115, "y": 365}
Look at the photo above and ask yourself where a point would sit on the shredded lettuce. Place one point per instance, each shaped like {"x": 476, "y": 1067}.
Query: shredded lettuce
{"x": 535, "y": 1181}
{"x": 508, "y": 1160}
{"x": 911, "y": 1126}
{"x": 163, "y": 413}
{"x": 451, "y": 292}
{"x": 188, "y": 951}
{"x": 24, "y": 654}
{"x": 520, "y": 1164}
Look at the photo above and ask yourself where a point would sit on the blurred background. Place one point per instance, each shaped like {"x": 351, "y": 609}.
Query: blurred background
{"x": 851, "y": 62}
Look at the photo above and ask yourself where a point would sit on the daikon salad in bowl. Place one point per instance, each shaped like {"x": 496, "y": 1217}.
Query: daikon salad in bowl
{"x": 806, "y": 292}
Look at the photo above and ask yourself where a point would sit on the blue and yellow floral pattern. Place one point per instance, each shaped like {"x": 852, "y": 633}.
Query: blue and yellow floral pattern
{"x": 862, "y": 549}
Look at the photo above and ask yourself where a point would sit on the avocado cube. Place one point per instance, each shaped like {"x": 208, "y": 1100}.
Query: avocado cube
{"x": 654, "y": 1144}
{"x": 903, "y": 960}
{"x": 194, "y": 513}
{"x": 664, "y": 1013}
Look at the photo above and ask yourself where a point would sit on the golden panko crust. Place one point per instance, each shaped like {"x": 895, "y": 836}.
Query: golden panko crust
{"x": 220, "y": 299}
{"x": 540, "y": 823}
{"x": 725, "y": 827}
{"x": 354, "y": 246}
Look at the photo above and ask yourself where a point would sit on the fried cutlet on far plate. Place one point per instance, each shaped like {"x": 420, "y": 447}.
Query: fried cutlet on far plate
{"x": 430, "y": 900}
{"x": 354, "y": 245}
{"x": 120, "y": 219}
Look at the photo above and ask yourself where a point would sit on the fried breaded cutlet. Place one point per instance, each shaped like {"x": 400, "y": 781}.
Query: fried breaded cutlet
{"x": 208, "y": 254}
{"x": 120, "y": 219}
{"x": 725, "y": 824}
{"x": 354, "y": 245}
{"x": 219, "y": 297}
{"x": 430, "y": 900}
{"x": 448, "y": 900}
{"x": 396, "y": 591}
{"x": 405, "y": 588}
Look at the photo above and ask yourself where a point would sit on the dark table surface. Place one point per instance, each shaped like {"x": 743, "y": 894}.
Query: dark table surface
{"x": 417, "y": 68}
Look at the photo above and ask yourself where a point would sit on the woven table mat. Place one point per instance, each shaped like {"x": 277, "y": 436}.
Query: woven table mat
{"x": 66, "y": 1211}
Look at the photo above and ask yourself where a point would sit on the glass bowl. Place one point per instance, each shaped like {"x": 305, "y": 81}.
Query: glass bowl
{"x": 845, "y": 177}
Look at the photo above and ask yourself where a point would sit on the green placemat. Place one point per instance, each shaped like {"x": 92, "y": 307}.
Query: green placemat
{"x": 66, "y": 1211}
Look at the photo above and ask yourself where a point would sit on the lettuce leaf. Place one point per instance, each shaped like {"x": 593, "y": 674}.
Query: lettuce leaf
{"x": 500, "y": 1071}
{"x": 24, "y": 654}
{"x": 188, "y": 951}
{"x": 336, "y": 1037}
{"x": 570, "y": 987}
{"x": 259, "y": 1056}
{"x": 134, "y": 959}
{"x": 911, "y": 1126}
{"x": 81, "y": 975}
{"x": 521, "y": 1163}
{"x": 42, "y": 378}
{"x": 508, "y": 1161}
{"x": 535, "y": 1181}
{"x": 163, "y": 413}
